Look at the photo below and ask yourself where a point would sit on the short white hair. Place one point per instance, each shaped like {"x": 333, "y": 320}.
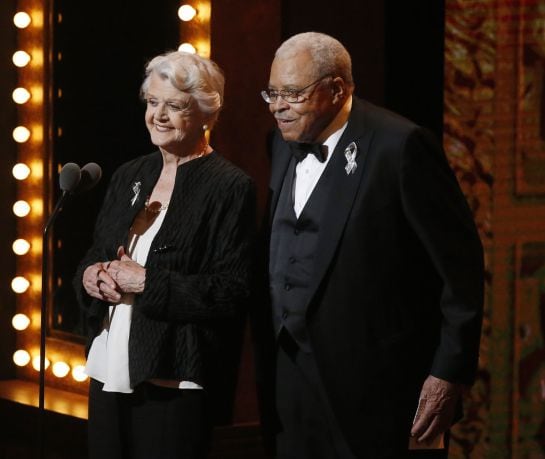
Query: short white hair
{"x": 195, "y": 75}
{"x": 327, "y": 53}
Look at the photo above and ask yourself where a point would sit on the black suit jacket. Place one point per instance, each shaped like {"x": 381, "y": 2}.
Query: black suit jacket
{"x": 397, "y": 284}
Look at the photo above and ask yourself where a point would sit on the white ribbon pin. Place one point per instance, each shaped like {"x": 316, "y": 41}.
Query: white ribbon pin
{"x": 136, "y": 191}
{"x": 350, "y": 155}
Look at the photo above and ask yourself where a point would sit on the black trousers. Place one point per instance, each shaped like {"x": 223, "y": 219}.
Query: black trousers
{"x": 151, "y": 423}
{"x": 309, "y": 429}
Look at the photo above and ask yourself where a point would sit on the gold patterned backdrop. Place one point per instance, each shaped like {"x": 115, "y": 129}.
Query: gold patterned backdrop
{"x": 494, "y": 124}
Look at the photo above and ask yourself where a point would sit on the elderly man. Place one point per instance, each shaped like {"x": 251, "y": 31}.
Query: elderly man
{"x": 375, "y": 269}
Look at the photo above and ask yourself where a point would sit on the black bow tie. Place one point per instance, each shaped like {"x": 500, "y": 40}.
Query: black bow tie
{"x": 301, "y": 150}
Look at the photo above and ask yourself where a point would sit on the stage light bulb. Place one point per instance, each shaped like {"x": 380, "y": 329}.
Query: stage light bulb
{"x": 20, "y": 171}
{"x": 21, "y": 20}
{"x": 60, "y": 369}
{"x": 20, "y": 284}
{"x": 20, "y": 58}
{"x": 21, "y": 358}
{"x": 36, "y": 363}
{"x": 20, "y": 95}
{"x": 20, "y": 322}
{"x": 78, "y": 373}
{"x": 21, "y": 134}
{"x": 20, "y": 246}
{"x": 186, "y": 12}
{"x": 187, "y": 48}
{"x": 21, "y": 208}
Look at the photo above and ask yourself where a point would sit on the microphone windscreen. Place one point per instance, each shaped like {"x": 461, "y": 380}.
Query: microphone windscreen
{"x": 69, "y": 177}
{"x": 90, "y": 176}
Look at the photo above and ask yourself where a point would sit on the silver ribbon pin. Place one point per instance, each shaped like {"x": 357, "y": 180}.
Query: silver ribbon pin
{"x": 136, "y": 191}
{"x": 350, "y": 155}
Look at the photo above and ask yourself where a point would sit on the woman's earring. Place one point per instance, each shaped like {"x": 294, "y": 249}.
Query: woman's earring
{"x": 205, "y": 127}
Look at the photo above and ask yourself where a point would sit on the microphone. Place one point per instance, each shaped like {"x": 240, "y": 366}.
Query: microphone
{"x": 72, "y": 180}
{"x": 70, "y": 177}
{"x": 91, "y": 174}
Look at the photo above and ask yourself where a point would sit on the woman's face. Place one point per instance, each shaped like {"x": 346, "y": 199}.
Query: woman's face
{"x": 172, "y": 117}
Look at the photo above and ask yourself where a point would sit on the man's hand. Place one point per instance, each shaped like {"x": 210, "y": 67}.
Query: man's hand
{"x": 436, "y": 408}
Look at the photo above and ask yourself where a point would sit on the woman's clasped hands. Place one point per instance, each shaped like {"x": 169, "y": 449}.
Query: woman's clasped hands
{"x": 109, "y": 280}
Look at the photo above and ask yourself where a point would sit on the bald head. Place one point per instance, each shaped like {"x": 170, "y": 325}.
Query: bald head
{"x": 328, "y": 55}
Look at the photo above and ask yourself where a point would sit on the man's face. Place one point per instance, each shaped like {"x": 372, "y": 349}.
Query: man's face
{"x": 302, "y": 121}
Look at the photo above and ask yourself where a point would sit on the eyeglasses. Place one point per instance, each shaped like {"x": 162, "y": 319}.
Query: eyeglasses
{"x": 291, "y": 96}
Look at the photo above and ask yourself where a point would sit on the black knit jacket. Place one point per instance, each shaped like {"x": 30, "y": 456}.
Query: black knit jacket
{"x": 186, "y": 323}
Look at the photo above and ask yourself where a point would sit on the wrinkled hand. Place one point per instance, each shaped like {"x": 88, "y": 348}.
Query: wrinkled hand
{"x": 436, "y": 410}
{"x": 99, "y": 284}
{"x": 126, "y": 273}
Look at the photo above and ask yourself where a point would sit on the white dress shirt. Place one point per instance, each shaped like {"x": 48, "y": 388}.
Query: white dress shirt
{"x": 309, "y": 170}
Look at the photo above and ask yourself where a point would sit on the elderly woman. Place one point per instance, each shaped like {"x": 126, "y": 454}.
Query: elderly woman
{"x": 164, "y": 282}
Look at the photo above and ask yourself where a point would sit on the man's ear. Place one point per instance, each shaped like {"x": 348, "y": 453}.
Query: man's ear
{"x": 338, "y": 89}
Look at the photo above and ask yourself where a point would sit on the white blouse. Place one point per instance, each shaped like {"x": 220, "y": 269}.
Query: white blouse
{"x": 108, "y": 360}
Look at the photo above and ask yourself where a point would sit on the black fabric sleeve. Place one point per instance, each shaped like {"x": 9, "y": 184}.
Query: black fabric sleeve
{"x": 439, "y": 215}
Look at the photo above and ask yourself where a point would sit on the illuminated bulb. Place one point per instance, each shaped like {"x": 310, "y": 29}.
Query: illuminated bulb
{"x": 20, "y": 322}
{"x": 60, "y": 369}
{"x": 187, "y": 48}
{"x": 20, "y": 95}
{"x": 20, "y": 246}
{"x": 36, "y": 363}
{"x": 78, "y": 373}
{"x": 20, "y": 171}
{"x": 21, "y": 20}
{"x": 20, "y": 58}
{"x": 21, "y": 208}
{"x": 21, "y": 134}
{"x": 186, "y": 12}
{"x": 20, "y": 284}
{"x": 21, "y": 358}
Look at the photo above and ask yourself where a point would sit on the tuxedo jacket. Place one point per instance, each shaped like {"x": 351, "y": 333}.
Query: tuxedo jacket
{"x": 396, "y": 291}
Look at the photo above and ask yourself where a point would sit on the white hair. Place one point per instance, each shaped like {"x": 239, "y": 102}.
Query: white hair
{"x": 195, "y": 75}
{"x": 328, "y": 54}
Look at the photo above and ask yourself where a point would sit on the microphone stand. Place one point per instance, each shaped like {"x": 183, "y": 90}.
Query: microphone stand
{"x": 43, "y": 315}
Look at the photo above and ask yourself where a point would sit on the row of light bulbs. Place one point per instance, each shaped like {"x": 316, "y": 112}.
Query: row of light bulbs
{"x": 60, "y": 369}
{"x": 21, "y": 209}
{"x": 21, "y": 171}
{"x": 22, "y": 357}
{"x": 21, "y": 134}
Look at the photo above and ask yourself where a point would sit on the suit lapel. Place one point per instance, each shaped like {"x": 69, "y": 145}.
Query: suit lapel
{"x": 345, "y": 187}
{"x": 281, "y": 161}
